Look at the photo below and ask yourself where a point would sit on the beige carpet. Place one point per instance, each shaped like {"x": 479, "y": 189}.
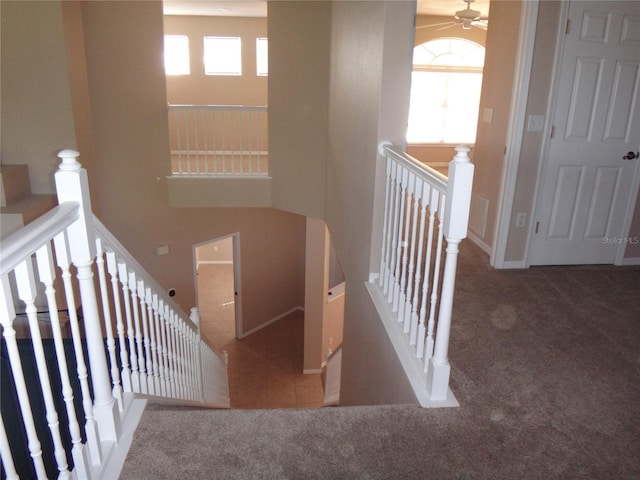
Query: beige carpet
{"x": 545, "y": 364}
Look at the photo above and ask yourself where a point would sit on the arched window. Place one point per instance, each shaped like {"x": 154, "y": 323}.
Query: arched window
{"x": 445, "y": 91}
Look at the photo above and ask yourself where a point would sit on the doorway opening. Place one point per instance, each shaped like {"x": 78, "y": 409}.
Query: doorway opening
{"x": 216, "y": 265}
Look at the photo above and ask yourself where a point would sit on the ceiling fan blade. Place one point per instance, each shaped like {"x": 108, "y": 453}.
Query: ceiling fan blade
{"x": 435, "y": 25}
{"x": 452, "y": 24}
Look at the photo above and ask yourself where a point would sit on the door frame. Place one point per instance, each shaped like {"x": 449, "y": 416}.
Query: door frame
{"x": 545, "y": 146}
{"x": 515, "y": 134}
{"x": 237, "y": 284}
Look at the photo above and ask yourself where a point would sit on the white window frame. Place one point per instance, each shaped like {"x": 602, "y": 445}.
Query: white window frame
{"x": 176, "y": 55}
{"x": 229, "y": 63}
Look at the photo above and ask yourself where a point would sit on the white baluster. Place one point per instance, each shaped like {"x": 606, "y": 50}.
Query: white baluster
{"x": 106, "y": 311}
{"x": 72, "y": 185}
{"x": 182, "y": 330}
{"x": 135, "y": 307}
{"x": 405, "y": 247}
{"x": 401, "y": 243}
{"x": 417, "y": 189}
{"x": 124, "y": 285}
{"x": 195, "y": 364}
{"x": 112, "y": 268}
{"x": 44, "y": 260}
{"x": 154, "y": 334}
{"x": 175, "y": 348}
{"x": 161, "y": 346}
{"x": 434, "y": 289}
{"x": 424, "y": 202}
{"x": 27, "y": 291}
{"x": 426, "y": 278}
{"x": 396, "y": 192}
{"x": 146, "y": 338}
{"x": 170, "y": 354}
{"x": 90, "y": 425}
{"x": 7, "y": 316}
{"x": 385, "y": 222}
{"x": 5, "y": 454}
{"x": 259, "y": 166}
{"x": 195, "y": 318}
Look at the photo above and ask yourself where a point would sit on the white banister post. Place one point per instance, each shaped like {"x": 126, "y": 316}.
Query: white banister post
{"x": 72, "y": 186}
{"x": 195, "y": 318}
{"x": 456, "y": 221}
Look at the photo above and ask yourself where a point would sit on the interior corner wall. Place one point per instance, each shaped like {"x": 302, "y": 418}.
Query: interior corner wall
{"x": 37, "y": 117}
{"x": 497, "y": 85}
{"x": 531, "y": 148}
{"x": 298, "y": 102}
{"x": 360, "y": 35}
{"x": 127, "y": 93}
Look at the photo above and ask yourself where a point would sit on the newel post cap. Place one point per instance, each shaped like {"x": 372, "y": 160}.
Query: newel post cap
{"x": 69, "y": 159}
{"x": 462, "y": 154}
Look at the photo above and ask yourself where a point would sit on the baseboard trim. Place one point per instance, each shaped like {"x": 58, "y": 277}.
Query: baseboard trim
{"x": 311, "y": 371}
{"x": 479, "y": 243}
{"x": 214, "y": 262}
{"x": 631, "y": 261}
{"x": 269, "y": 322}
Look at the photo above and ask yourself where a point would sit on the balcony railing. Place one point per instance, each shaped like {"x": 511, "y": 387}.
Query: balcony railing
{"x": 425, "y": 217}
{"x": 218, "y": 140}
{"x": 103, "y": 339}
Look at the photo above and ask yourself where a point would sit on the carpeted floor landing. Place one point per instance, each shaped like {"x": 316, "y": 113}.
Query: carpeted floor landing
{"x": 546, "y": 367}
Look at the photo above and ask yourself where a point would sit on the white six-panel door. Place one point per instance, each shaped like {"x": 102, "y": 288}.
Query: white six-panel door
{"x": 589, "y": 180}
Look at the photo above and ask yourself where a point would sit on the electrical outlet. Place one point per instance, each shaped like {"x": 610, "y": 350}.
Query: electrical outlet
{"x": 521, "y": 220}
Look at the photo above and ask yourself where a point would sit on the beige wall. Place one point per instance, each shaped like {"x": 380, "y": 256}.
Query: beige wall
{"x": 497, "y": 83}
{"x": 541, "y": 76}
{"x": 125, "y": 74}
{"x": 200, "y": 89}
{"x": 371, "y": 46}
{"x": 298, "y": 104}
{"x": 37, "y": 118}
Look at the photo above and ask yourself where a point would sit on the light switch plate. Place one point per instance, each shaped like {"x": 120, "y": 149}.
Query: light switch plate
{"x": 535, "y": 123}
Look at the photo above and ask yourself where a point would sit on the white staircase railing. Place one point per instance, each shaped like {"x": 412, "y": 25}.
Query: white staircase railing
{"x": 116, "y": 338}
{"x": 218, "y": 140}
{"x": 425, "y": 217}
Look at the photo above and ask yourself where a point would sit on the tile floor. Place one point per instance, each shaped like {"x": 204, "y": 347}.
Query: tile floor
{"x": 265, "y": 368}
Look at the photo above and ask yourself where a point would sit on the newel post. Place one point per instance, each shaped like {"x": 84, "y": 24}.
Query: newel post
{"x": 72, "y": 186}
{"x": 195, "y": 318}
{"x": 456, "y": 221}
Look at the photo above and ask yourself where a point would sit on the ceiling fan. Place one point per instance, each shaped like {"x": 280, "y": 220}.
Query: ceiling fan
{"x": 467, "y": 18}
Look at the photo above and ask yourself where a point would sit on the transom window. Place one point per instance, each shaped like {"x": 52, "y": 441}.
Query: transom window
{"x": 222, "y": 56}
{"x": 445, "y": 91}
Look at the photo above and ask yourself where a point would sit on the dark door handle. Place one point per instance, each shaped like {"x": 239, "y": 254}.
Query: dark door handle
{"x": 631, "y": 156}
